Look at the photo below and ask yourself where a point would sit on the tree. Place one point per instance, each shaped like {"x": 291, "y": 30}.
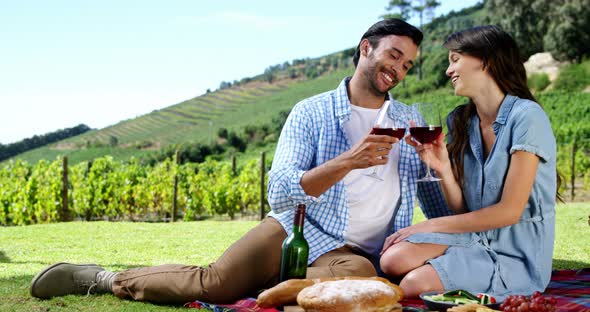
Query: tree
{"x": 224, "y": 85}
{"x": 424, "y": 9}
{"x": 404, "y": 8}
{"x": 526, "y": 21}
{"x": 292, "y": 72}
{"x": 113, "y": 141}
{"x": 9, "y": 150}
{"x": 560, "y": 27}
{"x": 222, "y": 133}
{"x": 269, "y": 74}
{"x": 568, "y": 39}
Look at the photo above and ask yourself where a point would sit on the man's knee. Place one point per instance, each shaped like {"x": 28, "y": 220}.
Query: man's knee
{"x": 354, "y": 266}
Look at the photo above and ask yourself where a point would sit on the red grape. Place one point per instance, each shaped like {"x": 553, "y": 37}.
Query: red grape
{"x": 535, "y": 303}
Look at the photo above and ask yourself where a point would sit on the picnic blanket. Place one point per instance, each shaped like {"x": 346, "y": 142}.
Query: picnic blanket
{"x": 571, "y": 288}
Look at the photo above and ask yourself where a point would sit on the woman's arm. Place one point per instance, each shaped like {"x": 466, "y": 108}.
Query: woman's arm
{"x": 437, "y": 156}
{"x": 515, "y": 194}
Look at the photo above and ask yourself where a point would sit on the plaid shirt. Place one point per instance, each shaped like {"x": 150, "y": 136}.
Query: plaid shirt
{"x": 312, "y": 135}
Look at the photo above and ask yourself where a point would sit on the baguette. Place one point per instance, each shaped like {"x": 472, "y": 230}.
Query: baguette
{"x": 285, "y": 293}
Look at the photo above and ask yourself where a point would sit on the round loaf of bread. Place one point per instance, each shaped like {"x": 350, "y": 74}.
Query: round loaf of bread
{"x": 349, "y": 296}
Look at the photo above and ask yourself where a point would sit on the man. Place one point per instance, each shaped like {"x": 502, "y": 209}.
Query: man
{"x": 348, "y": 215}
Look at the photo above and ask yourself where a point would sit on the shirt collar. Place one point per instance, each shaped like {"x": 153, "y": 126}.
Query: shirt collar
{"x": 504, "y": 111}
{"x": 342, "y": 108}
{"x": 505, "y": 108}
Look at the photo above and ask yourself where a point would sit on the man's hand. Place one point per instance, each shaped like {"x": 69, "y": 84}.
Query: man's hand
{"x": 373, "y": 150}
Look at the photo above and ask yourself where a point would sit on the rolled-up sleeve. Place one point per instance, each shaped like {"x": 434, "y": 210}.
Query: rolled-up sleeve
{"x": 295, "y": 154}
{"x": 532, "y": 133}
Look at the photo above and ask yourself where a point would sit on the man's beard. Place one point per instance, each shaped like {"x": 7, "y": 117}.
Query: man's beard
{"x": 372, "y": 77}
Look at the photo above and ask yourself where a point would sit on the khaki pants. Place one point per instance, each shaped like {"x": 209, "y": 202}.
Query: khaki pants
{"x": 249, "y": 265}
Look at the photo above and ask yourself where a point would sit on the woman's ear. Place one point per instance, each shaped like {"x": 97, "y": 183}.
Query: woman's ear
{"x": 484, "y": 65}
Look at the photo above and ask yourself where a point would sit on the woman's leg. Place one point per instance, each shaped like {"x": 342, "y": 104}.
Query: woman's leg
{"x": 404, "y": 257}
{"x": 420, "y": 280}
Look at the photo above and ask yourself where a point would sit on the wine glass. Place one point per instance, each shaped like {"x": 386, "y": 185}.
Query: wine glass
{"x": 426, "y": 128}
{"x": 385, "y": 125}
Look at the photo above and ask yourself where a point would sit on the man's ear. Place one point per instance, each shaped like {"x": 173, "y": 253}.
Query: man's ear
{"x": 365, "y": 47}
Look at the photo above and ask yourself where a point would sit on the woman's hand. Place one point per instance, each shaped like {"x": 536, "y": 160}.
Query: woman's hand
{"x": 434, "y": 153}
{"x": 401, "y": 235}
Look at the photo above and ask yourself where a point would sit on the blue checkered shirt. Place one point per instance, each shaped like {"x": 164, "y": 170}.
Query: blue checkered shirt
{"x": 312, "y": 135}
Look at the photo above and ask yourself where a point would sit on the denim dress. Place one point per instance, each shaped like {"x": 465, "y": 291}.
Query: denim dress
{"x": 516, "y": 259}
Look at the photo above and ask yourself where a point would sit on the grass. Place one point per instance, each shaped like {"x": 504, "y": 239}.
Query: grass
{"x": 119, "y": 246}
{"x": 115, "y": 246}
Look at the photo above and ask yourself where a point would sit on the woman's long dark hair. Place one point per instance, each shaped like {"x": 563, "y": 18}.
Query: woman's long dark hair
{"x": 502, "y": 60}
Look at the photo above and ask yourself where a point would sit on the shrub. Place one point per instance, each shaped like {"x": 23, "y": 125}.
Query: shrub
{"x": 574, "y": 77}
{"x": 538, "y": 82}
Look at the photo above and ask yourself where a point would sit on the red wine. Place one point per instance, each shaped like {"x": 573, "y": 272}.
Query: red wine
{"x": 426, "y": 135}
{"x": 396, "y": 133}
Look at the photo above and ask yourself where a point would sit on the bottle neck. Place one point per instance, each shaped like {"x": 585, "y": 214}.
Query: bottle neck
{"x": 299, "y": 219}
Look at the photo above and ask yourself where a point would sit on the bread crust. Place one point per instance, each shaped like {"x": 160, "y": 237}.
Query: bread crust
{"x": 348, "y": 296}
{"x": 286, "y": 292}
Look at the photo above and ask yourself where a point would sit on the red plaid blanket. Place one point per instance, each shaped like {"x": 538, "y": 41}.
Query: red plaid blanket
{"x": 571, "y": 288}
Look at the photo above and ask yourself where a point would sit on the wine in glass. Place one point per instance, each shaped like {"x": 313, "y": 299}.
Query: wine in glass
{"x": 385, "y": 125}
{"x": 427, "y": 127}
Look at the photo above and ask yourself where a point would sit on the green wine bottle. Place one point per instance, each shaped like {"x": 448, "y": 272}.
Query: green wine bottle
{"x": 295, "y": 249}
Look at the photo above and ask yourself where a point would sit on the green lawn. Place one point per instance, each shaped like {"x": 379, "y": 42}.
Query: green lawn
{"x": 117, "y": 246}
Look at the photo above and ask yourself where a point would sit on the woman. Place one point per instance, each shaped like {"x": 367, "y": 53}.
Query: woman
{"x": 499, "y": 178}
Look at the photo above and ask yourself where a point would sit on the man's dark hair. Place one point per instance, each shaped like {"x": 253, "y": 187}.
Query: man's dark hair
{"x": 386, "y": 27}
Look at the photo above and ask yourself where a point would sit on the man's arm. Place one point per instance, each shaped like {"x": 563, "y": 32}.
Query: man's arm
{"x": 294, "y": 155}
{"x": 371, "y": 151}
{"x": 292, "y": 179}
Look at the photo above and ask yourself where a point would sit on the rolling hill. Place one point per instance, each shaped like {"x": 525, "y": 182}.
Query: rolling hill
{"x": 257, "y": 100}
{"x": 193, "y": 121}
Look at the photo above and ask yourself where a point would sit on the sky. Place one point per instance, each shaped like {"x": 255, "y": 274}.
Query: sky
{"x": 63, "y": 63}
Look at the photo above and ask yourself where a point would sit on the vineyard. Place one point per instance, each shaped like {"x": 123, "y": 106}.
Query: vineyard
{"x": 107, "y": 189}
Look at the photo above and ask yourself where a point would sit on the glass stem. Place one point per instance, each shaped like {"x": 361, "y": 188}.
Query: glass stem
{"x": 428, "y": 170}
